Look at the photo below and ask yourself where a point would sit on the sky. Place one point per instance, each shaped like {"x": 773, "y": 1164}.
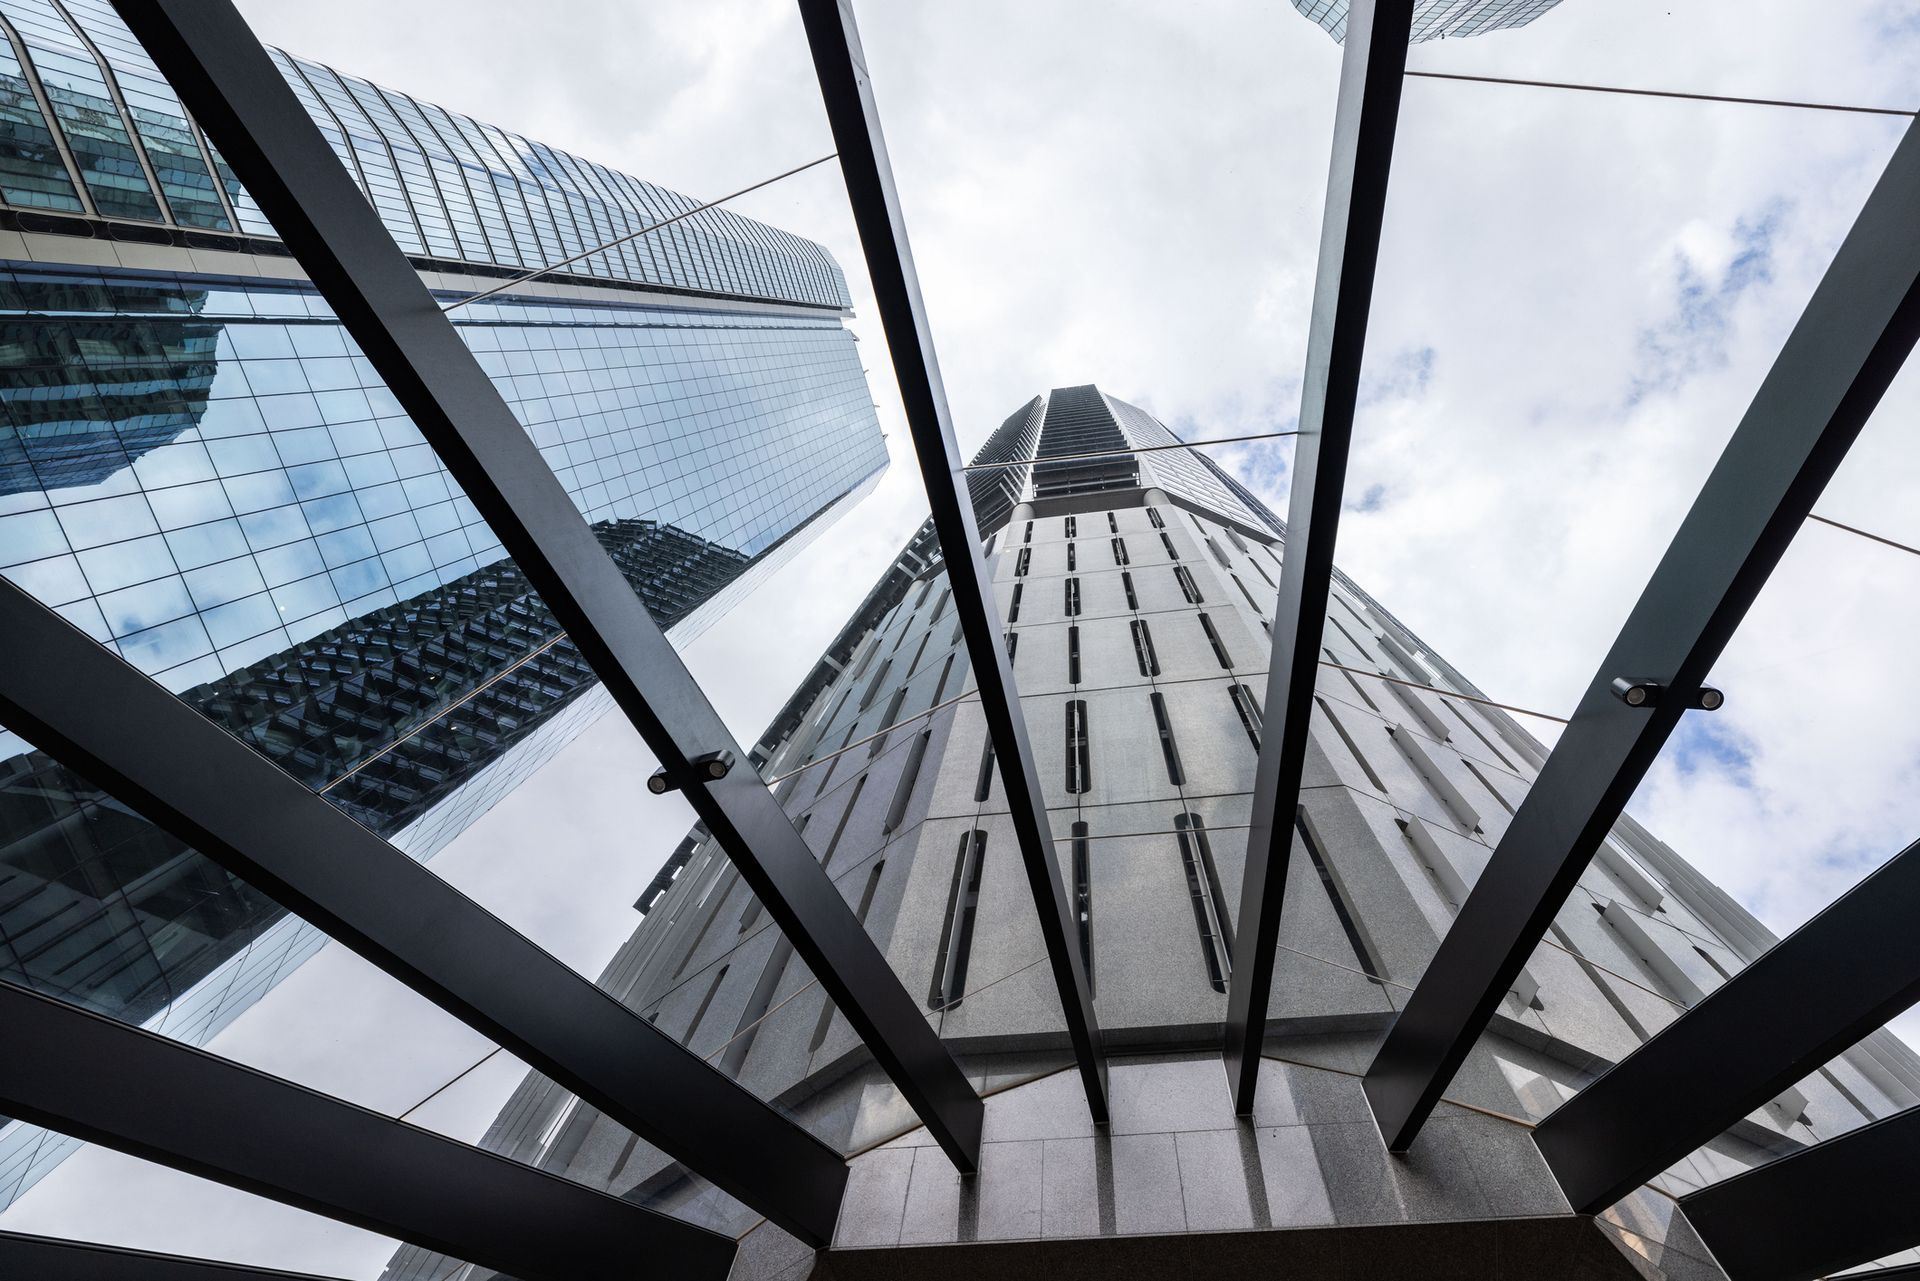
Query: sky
{"x": 1578, "y": 295}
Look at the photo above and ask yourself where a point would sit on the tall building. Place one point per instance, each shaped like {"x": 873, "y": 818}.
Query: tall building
{"x": 1137, "y": 589}
{"x": 199, "y": 467}
{"x": 1437, "y": 19}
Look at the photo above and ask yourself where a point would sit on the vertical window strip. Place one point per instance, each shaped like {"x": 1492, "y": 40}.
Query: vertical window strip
{"x": 1337, "y": 896}
{"x": 1073, "y": 655}
{"x": 1072, "y": 524}
{"x": 1073, "y": 557}
{"x": 983, "y": 783}
{"x": 1083, "y": 899}
{"x": 1249, "y": 710}
{"x": 909, "y": 777}
{"x": 1188, "y": 588}
{"x": 873, "y": 687}
{"x": 1352, "y": 747}
{"x": 1233, "y": 536}
{"x": 1013, "y": 606}
{"x": 1078, "y": 749}
{"x": 1255, "y": 605}
{"x": 1167, "y": 540}
{"x": 1133, "y": 601}
{"x": 1261, "y": 570}
{"x": 940, "y": 690}
{"x": 1209, "y": 904}
{"x": 914, "y": 666}
{"x": 888, "y": 719}
{"x": 1113, "y": 525}
{"x": 1013, "y": 646}
{"x": 1143, "y": 652}
{"x": 1333, "y": 657}
{"x": 1487, "y": 783}
{"x": 1120, "y": 556}
{"x": 956, "y": 932}
{"x": 833, "y": 842}
{"x": 1022, "y": 562}
{"x": 1028, "y": 538}
{"x": 860, "y": 914}
{"x": 1213, "y": 639}
{"x": 1153, "y": 518}
{"x": 758, "y": 1004}
{"x": 1475, "y": 730}
{"x": 1073, "y": 598}
{"x": 706, "y": 1002}
{"x": 1219, "y": 555}
{"x": 1168, "y": 747}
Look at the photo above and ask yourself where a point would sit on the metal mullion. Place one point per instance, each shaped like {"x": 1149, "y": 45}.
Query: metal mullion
{"x": 103, "y": 719}
{"x": 1363, "y": 133}
{"x": 1832, "y": 1206}
{"x": 1850, "y": 342}
{"x": 851, "y": 110}
{"x": 53, "y": 1259}
{"x": 1836, "y": 979}
{"x": 140, "y": 1093}
{"x": 219, "y": 69}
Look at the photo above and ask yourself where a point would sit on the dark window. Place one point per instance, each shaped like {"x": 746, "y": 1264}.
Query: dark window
{"x": 1143, "y": 649}
{"x": 1113, "y": 526}
{"x": 1120, "y": 556}
{"x": 914, "y": 666}
{"x": 1079, "y": 773}
{"x": 758, "y": 1005}
{"x": 873, "y": 686}
{"x": 1029, "y": 534}
{"x": 1166, "y": 539}
{"x": 826, "y": 1003}
{"x": 1244, "y": 592}
{"x": 1020, "y": 562}
{"x": 1249, "y": 710}
{"x": 1168, "y": 748}
{"x": 1153, "y": 515}
{"x": 1209, "y": 905}
{"x": 1188, "y": 588}
{"x": 1013, "y": 606}
{"x": 1073, "y": 597}
{"x": 1013, "y": 645}
{"x": 1261, "y": 570}
{"x": 946, "y": 594}
{"x": 1073, "y": 655}
{"x": 1213, "y": 639}
{"x": 1083, "y": 899}
{"x": 887, "y": 721}
{"x": 1361, "y": 952}
{"x": 833, "y": 842}
{"x": 1073, "y": 557}
{"x": 945, "y": 672}
{"x": 983, "y": 785}
{"x": 1073, "y": 527}
{"x": 908, "y": 777}
{"x": 956, "y": 933}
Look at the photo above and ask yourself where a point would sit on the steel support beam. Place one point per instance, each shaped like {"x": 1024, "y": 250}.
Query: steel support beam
{"x": 35, "y": 1258}
{"x": 841, "y": 66}
{"x": 107, "y": 722}
{"x": 1846, "y": 348}
{"x": 1840, "y": 976}
{"x": 227, "y": 81}
{"x": 136, "y": 1092}
{"x": 1835, "y": 1205}
{"x": 1367, "y": 115}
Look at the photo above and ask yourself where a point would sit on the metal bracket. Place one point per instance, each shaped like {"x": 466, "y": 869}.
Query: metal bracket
{"x": 709, "y": 767}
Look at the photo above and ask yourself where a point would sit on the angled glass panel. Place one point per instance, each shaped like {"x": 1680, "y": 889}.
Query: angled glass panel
{"x": 32, "y": 173}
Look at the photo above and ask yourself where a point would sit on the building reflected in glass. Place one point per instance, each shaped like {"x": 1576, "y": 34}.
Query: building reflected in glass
{"x": 1437, "y": 19}
{"x": 200, "y": 469}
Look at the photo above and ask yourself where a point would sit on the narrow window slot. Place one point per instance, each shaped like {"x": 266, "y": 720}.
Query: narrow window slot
{"x": 887, "y": 721}
{"x": 826, "y": 1004}
{"x": 1072, "y": 526}
{"x": 1352, "y": 746}
{"x": 956, "y": 933}
{"x": 901, "y": 635}
{"x": 1073, "y": 597}
{"x": 706, "y": 1002}
{"x": 914, "y": 666}
{"x": 946, "y": 594}
{"x": 1113, "y": 526}
{"x": 1233, "y": 536}
{"x": 833, "y": 842}
{"x": 758, "y": 1005}
{"x": 873, "y": 687}
{"x": 1188, "y": 588}
{"x": 1261, "y": 570}
{"x": 1357, "y": 646}
{"x": 1209, "y": 904}
{"x": 1249, "y": 710}
{"x": 1029, "y": 534}
{"x": 1486, "y": 742}
{"x": 1488, "y": 784}
{"x": 909, "y": 776}
{"x": 1120, "y": 556}
{"x": 1079, "y": 762}
{"x": 983, "y": 785}
{"x": 1143, "y": 649}
{"x": 1249, "y": 595}
{"x": 1126, "y": 581}
{"x": 1337, "y": 896}
{"x": 1332, "y": 657}
{"x": 1219, "y": 555}
{"x": 1168, "y": 748}
{"x": 1013, "y": 606}
{"x": 1013, "y": 646}
{"x": 1022, "y": 561}
{"x": 1167, "y": 540}
{"x": 1153, "y": 517}
{"x": 1213, "y": 639}
{"x": 940, "y": 690}
{"x": 1073, "y": 557}
{"x": 1083, "y": 899}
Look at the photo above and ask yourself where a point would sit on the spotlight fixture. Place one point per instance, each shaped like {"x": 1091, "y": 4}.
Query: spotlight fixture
{"x": 1646, "y": 693}
{"x": 709, "y": 767}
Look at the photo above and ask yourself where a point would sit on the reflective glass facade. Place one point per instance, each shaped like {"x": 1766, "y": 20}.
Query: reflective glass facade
{"x": 1437, "y": 19}
{"x": 92, "y": 128}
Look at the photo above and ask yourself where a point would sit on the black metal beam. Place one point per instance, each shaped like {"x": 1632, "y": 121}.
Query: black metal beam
{"x": 35, "y": 1258}
{"x": 136, "y": 1092}
{"x": 1835, "y": 1205}
{"x": 233, "y": 90}
{"x": 100, "y": 717}
{"x": 847, "y": 91}
{"x": 1365, "y": 119}
{"x": 1840, "y": 976}
{"x": 1847, "y": 346}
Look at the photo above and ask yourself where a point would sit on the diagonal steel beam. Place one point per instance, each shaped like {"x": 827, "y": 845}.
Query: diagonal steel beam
{"x": 844, "y": 85}
{"x": 1834, "y": 1205}
{"x": 1837, "y": 978}
{"x": 1846, "y": 348}
{"x": 1363, "y": 128}
{"x": 136, "y": 1092}
{"x": 103, "y": 719}
{"x": 232, "y": 88}
{"x": 52, "y": 1259}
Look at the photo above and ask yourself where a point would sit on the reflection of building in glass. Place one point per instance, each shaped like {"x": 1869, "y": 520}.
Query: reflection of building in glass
{"x": 199, "y": 468}
{"x": 1136, "y": 592}
{"x": 1437, "y": 19}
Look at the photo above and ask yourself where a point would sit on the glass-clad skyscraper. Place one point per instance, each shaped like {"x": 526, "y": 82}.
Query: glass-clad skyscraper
{"x": 1437, "y": 19}
{"x": 1137, "y": 591}
{"x": 199, "y": 468}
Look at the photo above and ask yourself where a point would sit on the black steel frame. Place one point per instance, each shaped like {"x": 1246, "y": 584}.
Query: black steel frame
{"x": 1835, "y": 1205}
{"x": 1837, "y": 978}
{"x": 1855, "y": 334}
{"x": 142, "y": 1094}
{"x": 848, "y": 93}
{"x": 50, "y": 1259}
{"x": 227, "y": 81}
{"x": 1368, "y": 113}
{"x": 122, "y": 732}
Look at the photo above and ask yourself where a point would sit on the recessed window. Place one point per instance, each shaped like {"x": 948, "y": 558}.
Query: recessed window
{"x": 1083, "y": 898}
{"x": 1249, "y": 710}
{"x": 1209, "y": 904}
{"x": 1188, "y": 588}
{"x": 1233, "y": 536}
{"x": 1073, "y": 557}
{"x": 1073, "y": 597}
{"x": 1219, "y": 555}
{"x": 1143, "y": 653}
{"x": 1113, "y": 526}
{"x": 873, "y": 686}
{"x": 1073, "y": 655}
{"x": 1079, "y": 762}
{"x": 1126, "y": 581}
{"x": 826, "y": 1004}
{"x": 1166, "y": 541}
{"x": 1352, "y": 747}
{"x": 1336, "y": 894}
{"x": 1120, "y": 556}
{"x": 1168, "y": 748}
{"x": 1029, "y": 534}
{"x": 1022, "y": 562}
{"x": 1013, "y": 606}
{"x": 706, "y": 1003}
{"x": 1013, "y": 645}
{"x": 949, "y": 986}
{"x": 1073, "y": 527}
{"x": 914, "y": 666}
{"x": 888, "y": 719}
{"x": 909, "y": 776}
{"x": 1244, "y": 592}
{"x": 983, "y": 784}
{"x": 1153, "y": 516}
{"x": 853, "y": 799}
{"x": 1213, "y": 638}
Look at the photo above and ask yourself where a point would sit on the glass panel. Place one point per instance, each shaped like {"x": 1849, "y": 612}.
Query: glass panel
{"x": 32, "y": 173}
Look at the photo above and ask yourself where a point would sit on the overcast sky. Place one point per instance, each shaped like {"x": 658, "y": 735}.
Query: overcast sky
{"x": 1578, "y": 296}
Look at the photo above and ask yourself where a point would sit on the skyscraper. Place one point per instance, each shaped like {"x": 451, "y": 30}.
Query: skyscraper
{"x": 1137, "y": 581}
{"x": 199, "y": 467}
{"x": 1437, "y": 19}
